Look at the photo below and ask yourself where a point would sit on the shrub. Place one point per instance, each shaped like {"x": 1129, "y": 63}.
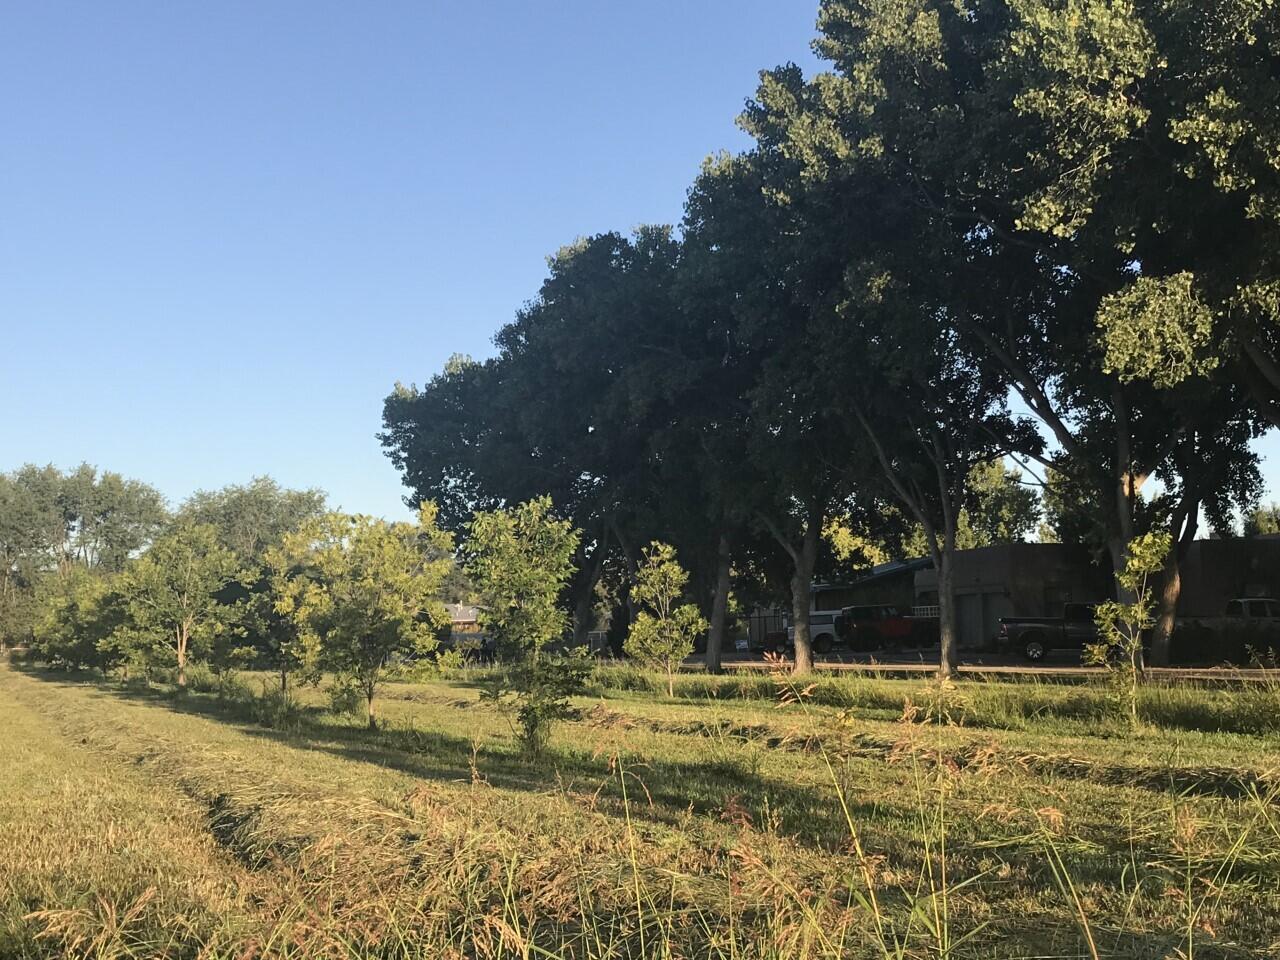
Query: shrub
{"x": 200, "y": 679}
{"x": 450, "y": 662}
{"x": 537, "y": 692}
{"x": 278, "y": 709}
{"x": 346, "y": 698}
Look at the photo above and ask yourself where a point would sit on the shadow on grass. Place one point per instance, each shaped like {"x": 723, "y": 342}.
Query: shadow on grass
{"x": 661, "y": 791}
{"x": 809, "y": 812}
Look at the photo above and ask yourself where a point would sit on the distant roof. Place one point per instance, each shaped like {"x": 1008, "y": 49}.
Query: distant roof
{"x": 462, "y": 612}
{"x": 882, "y": 570}
{"x": 892, "y": 568}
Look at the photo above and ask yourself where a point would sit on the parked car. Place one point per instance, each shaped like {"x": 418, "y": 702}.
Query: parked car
{"x": 1254, "y": 609}
{"x": 874, "y": 626}
{"x": 1034, "y": 637}
{"x": 822, "y": 634}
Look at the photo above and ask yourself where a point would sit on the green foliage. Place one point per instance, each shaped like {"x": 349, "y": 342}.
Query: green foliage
{"x": 253, "y": 517}
{"x": 346, "y": 699}
{"x": 172, "y": 597}
{"x": 278, "y": 709}
{"x": 1158, "y": 330}
{"x": 536, "y": 691}
{"x": 664, "y": 630}
{"x": 999, "y": 508}
{"x": 252, "y": 521}
{"x": 105, "y": 518}
{"x": 520, "y": 561}
{"x": 52, "y": 524}
{"x": 1122, "y": 623}
{"x": 1262, "y": 521}
{"x": 450, "y": 662}
{"x": 79, "y": 615}
{"x": 363, "y": 592}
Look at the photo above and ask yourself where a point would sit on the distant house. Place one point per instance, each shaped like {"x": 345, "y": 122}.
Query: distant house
{"x": 1013, "y": 580}
{"x": 1216, "y": 571}
{"x": 1036, "y": 579}
{"x": 890, "y": 583}
{"x": 463, "y": 617}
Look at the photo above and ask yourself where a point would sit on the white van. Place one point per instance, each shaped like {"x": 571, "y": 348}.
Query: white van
{"x": 827, "y": 600}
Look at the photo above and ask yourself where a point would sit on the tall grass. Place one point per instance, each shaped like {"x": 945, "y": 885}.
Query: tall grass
{"x": 411, "y": 842}
{"x": 1249, "y": 707}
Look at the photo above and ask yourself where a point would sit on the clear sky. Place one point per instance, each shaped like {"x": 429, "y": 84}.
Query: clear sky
{"x": 226, "y": 229}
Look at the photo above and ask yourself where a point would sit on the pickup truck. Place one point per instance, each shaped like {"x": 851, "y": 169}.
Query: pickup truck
{"x": 1034, "y": 637}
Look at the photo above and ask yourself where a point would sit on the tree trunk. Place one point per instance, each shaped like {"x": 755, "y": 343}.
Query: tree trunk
{"x": 1171, "y": 589}
{"x": 373, "y": 717}
{"x": 802, "y": 594}
{"x": 182, "y": 657}
{"x": 583, "y": 608}
{"x": 719, "y": 606}
{"x": 585, "y": 602}
{"x": 284, "y": 681}
{"x": 1167, "y": 609}
{"x": 948, "y": 648}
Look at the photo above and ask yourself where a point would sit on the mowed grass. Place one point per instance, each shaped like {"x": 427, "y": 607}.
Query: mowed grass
{"x": 721, "y": 823}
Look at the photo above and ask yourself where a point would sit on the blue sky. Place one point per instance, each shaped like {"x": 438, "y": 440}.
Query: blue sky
{"x": 227, "y": 229}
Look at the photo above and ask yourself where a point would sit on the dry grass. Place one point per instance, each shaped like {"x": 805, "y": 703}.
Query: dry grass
{"x": 140, "y": 825}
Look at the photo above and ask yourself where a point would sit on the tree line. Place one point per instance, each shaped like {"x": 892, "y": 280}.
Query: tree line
{"x": 996, "y": 229}
{"x": 102, "y": 577}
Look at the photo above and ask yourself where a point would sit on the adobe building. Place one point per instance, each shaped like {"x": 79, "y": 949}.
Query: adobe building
{"x": 1036, "y": 579}
{"x": 1013, "y": 580}
{"x": 1216, "y": 571}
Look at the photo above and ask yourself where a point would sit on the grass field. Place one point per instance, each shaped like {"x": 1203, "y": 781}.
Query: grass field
{"x": 719, "y": 823}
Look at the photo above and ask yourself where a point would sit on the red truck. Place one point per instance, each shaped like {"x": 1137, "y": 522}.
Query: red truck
{"x": 880, "y": 626}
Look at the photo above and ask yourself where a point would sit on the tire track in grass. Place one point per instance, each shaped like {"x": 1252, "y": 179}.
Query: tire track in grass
{"x": 100, "y": 859}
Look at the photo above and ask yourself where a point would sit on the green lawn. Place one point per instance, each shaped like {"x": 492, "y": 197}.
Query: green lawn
{"x": 717, "y": 824}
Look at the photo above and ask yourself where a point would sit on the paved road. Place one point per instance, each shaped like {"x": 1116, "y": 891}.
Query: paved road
{"x": 1059, "y": 664}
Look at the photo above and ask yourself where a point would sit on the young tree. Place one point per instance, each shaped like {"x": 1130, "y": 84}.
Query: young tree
{"x": 252, "y": 520}
{"x": 1121, "y": 624}
{"x": 78, "y": 617}
{"x": 277, "y": 612}
{"x": 172, "y": 594}
{"x": 521, "y": 561}
{"x": 368, "y": 592}
{"x": 663, "y": 632}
